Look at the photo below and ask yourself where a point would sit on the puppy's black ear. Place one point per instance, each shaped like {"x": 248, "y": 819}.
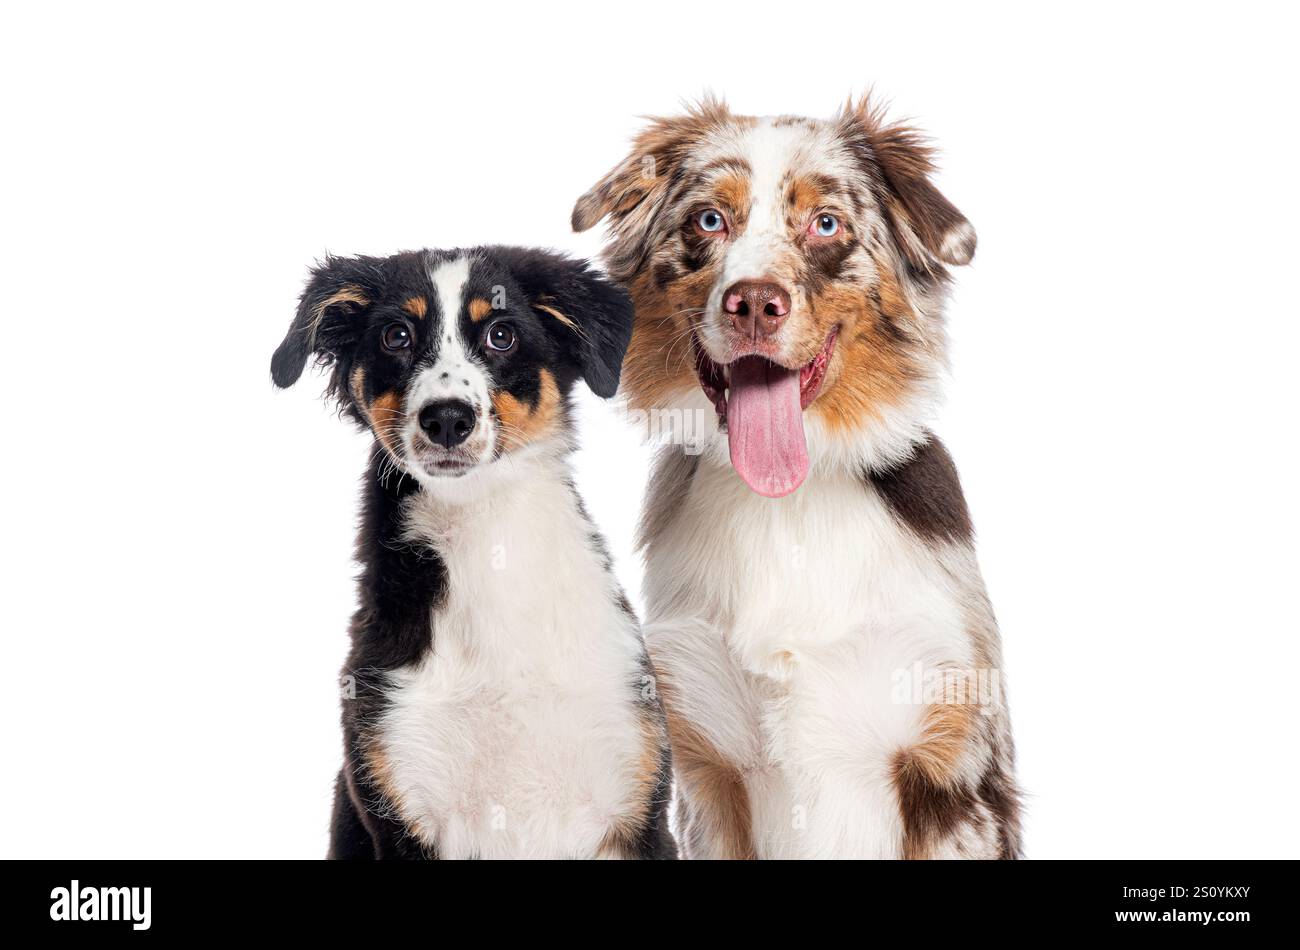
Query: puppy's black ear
{"x": 588, "y": 316}
{"x": 328, "y": 321}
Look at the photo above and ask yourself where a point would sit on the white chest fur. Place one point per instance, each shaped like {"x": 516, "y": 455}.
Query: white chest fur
{"x": 783, "y": 625}
{"x": 518, "y": 735}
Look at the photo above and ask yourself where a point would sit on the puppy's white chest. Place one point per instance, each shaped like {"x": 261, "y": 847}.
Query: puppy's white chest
{"x": 519, "y": 735}
{"x": 516, "y": 764}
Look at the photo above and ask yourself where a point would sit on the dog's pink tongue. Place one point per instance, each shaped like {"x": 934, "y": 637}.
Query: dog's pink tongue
{"x": 765, "y": 426}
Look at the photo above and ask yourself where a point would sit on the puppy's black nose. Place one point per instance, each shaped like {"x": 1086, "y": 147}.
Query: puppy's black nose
{"x": 447, "y": 423}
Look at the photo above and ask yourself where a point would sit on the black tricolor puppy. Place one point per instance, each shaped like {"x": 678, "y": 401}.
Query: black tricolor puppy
{"x": 503, "y": 702}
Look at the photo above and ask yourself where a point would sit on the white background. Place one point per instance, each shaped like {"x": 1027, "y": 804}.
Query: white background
{"x": 177, "y": 534}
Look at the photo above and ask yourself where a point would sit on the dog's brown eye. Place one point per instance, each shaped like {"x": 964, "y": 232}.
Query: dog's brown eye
{"x": 396, "y": 336}
{"x": 500, "y": 337}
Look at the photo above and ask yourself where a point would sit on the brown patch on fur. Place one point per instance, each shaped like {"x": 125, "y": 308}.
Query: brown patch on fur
{"x": 931, "y": 811}
{"x": 386, "y": 416}
{"x": 893, "y": 302}
{"x": 384, "y": 412}
{"x": 925, "y": 494}
{"x": 871, "y": 368}
{"x": 716, "y": 787}
{"x": 521, "y": 423}
{"x": 803, "y": 195}
{"x": 806, "y": 195}
{"x": 934, "y": 799}
{"x": 479, "y": 308}
{"x": 733, "y": 193}
{"x": 417, "y": 307}
{"x": 659, "y": 366}
{"x": 946, "y": 731}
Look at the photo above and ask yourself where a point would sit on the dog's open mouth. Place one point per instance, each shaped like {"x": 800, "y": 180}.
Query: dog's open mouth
{"x": 761, "y": 404}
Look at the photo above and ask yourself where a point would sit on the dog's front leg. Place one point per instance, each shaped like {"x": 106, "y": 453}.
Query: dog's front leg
{"x": 713, "y": 816}
{"x": 713, "y": 728}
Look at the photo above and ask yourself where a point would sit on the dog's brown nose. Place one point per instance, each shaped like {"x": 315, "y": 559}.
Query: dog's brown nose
{"x": 756, "y": 307}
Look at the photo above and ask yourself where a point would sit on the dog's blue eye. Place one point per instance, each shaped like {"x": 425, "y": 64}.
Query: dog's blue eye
{"x": 825, "y": 225}
{"x": 500, "y": 337}
{"x": 396, "y": 336}
{"x": 711, "y": 220}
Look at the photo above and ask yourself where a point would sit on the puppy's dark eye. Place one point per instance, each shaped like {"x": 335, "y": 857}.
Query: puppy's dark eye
{"x": 396, "y": 336}
{"x": 500, "y": 337}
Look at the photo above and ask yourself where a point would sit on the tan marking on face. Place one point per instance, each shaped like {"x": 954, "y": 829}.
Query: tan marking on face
{"x": 479, "y": 308}
{"x": 807, "y": 195}
{"x": 870, "y": 370}
{"x": 659, "y": 366}
{"x": 417, "y": 307}
{"x": 733, "y": 195}
{"x": 719, "y": 803}
{"x": 521, "y": 423}
{"x": 384, "y": 412}
{"x": 802, "y": 198}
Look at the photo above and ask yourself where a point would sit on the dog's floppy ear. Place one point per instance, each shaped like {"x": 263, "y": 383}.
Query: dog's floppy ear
{"x": 928, "y": 228}
{"x": 588, "y": 317}
{"x": 329, "y": 316}
{"x": 631, "y": 194}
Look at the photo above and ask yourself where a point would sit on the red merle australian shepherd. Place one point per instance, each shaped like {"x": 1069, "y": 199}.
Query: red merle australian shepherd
{"x": 823, "y": 643}
{"x": 502, "y": 703}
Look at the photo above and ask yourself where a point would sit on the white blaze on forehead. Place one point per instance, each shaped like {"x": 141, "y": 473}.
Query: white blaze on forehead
{"x": 770, "y": 151}
{"x": 457, "y": 372}
{"x": 448, "y": 278}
